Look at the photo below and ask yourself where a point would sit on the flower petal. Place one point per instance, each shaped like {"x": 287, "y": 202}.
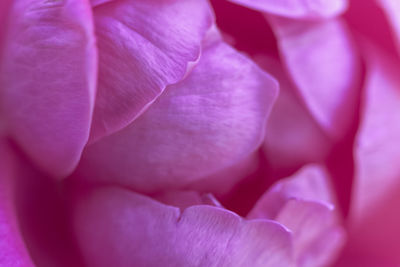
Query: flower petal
{"x": 138, "y": 230}
{"x": 391, "y": 9}
{"x": 304, "y": 204}
{"x": 13, "y": 251}
{"x": 209, "y": 121}
{"x": 374, "y": 216}
{"x": 297, "y": 8}
{"x": 47, "y": 80}
{"x": 324, "y": 64}
{"x": 144, "y": 46}
{"x": 293, "y": 137}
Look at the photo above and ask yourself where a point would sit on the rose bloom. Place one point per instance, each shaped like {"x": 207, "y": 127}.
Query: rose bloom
{"x": 199, "y": 133}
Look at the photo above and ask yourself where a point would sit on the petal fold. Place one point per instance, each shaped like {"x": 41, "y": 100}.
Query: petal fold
{"x": 209, "y": 121}
{"x": 144, "y": 46}
{"x": 47, "y": 80}
{"x": 297, "y": 8}
{"x": 138, "y": 230}
{"x": 322, "y": 60}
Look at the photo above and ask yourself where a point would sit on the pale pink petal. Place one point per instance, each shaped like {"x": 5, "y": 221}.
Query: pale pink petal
{"x": 185, "y": 199}
{"x": 143, "y": 46}
{"x": 324, "y": 65}
{"x": 293, "y": 137}
{"x": 309, "y": 183}
{"x": 297, "y": 8}
{"x": 317, "y": 235}
{"x": 116, "y": 227}
{"x": 13, "y": 251}
{"x": 47, "y": 80}
{"x": 210, "y": 121}
{"x": 305, "y": 205}
{"x": 374, "y": 214}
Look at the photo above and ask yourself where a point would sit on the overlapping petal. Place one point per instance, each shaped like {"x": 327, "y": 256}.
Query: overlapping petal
{"x": 144, "y": 46}
{"x": 47, "y": 80}
{"x": 391, "y": 9}
{"x": 374, "y": 216}
{"x": 323, "y": 62}
{"x": 297, "y": 8}
{"x": 13, "y": 251}
{"x": 304, "y": 203}
{"x": 207, "y": 122}
{"x": 116, "y": 227}
{"x": 293, "y": 137}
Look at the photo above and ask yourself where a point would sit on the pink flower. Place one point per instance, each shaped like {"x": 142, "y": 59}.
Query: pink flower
{"x": 196, "y": 133}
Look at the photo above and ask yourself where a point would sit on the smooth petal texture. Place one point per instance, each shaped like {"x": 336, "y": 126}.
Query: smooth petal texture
{"x": 293, "y": 137}
{"x": 374, "y": 216}
{"x": 391, "y": 9}
{"x": 136, "y": 230}
{"x": 325, "y": 67}
{"x": 210, "y": 121}
{"x": 304, "y": 204}
{"x": 297, "y": 8}
{"x": 13, "y": 251}
{"x": 144, "y": 46}
{"x": 310, "y": 183}
{"x": 47, "y": 80}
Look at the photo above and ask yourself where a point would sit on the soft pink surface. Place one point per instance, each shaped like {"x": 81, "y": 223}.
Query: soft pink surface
{"x": 293, "y": 138}
{"x": 297, "y": 8}
{"x": 323, "y": 62}
{"x": 48, "y": 80}
{"x": 13, "y": 251}
{"x": 116, "y": 227}
{"x": 374, "y": 216}
{"x": 144, "y": 46}
{"x": 304, "y": 203}
{"x": 209, "y": 121}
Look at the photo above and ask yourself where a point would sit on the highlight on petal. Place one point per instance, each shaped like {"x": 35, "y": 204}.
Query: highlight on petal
{"x": 13, "y": 251}
{"x": 144, "y": 46}
{"x": 136, "y": 230}
{"x": 293, "y": 137}
{"x": 391, "y": 9}
{"x": 304, "y": 203}
{"x": 202, "y": 125}
{"x": 297, "y": 8}
{"x": 325, "y": 66}
{"x": 47, "y": 80}
{"x": 374, "y": 216}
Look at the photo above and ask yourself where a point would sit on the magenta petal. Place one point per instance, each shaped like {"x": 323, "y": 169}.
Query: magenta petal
{"x": 209, "y": 121}
{"x": 47, "y": 80}
{"x": 391, "y": 9}
{"x": 304, "y": 204}
{"x": 116, "y": 227}
{"x": 374, "y": 214}
{"x": 324, "y": 64}
{"x": 13, "y": 251}
{"x": 297, "y": 8}
{"x": 293, "y": 137}
{"x": 144, "y": 46}
{"x": 309, "y": 183}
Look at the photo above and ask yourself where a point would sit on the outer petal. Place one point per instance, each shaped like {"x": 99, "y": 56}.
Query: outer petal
{"x": 47, "y": 80}
{"x": 374, "y": 216}
{"x": 297, "y": 8}
{"x": 391, "y": 9}
{"x": 293, "y": 137}
{"x": 144, "y": 46}
{"x": 13, "y": 251}
{"x": 136, "y": 230}
{"x": 324, "y": 64}
{"x": 303, "y": 203}
{"x": 209, "y": 121}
